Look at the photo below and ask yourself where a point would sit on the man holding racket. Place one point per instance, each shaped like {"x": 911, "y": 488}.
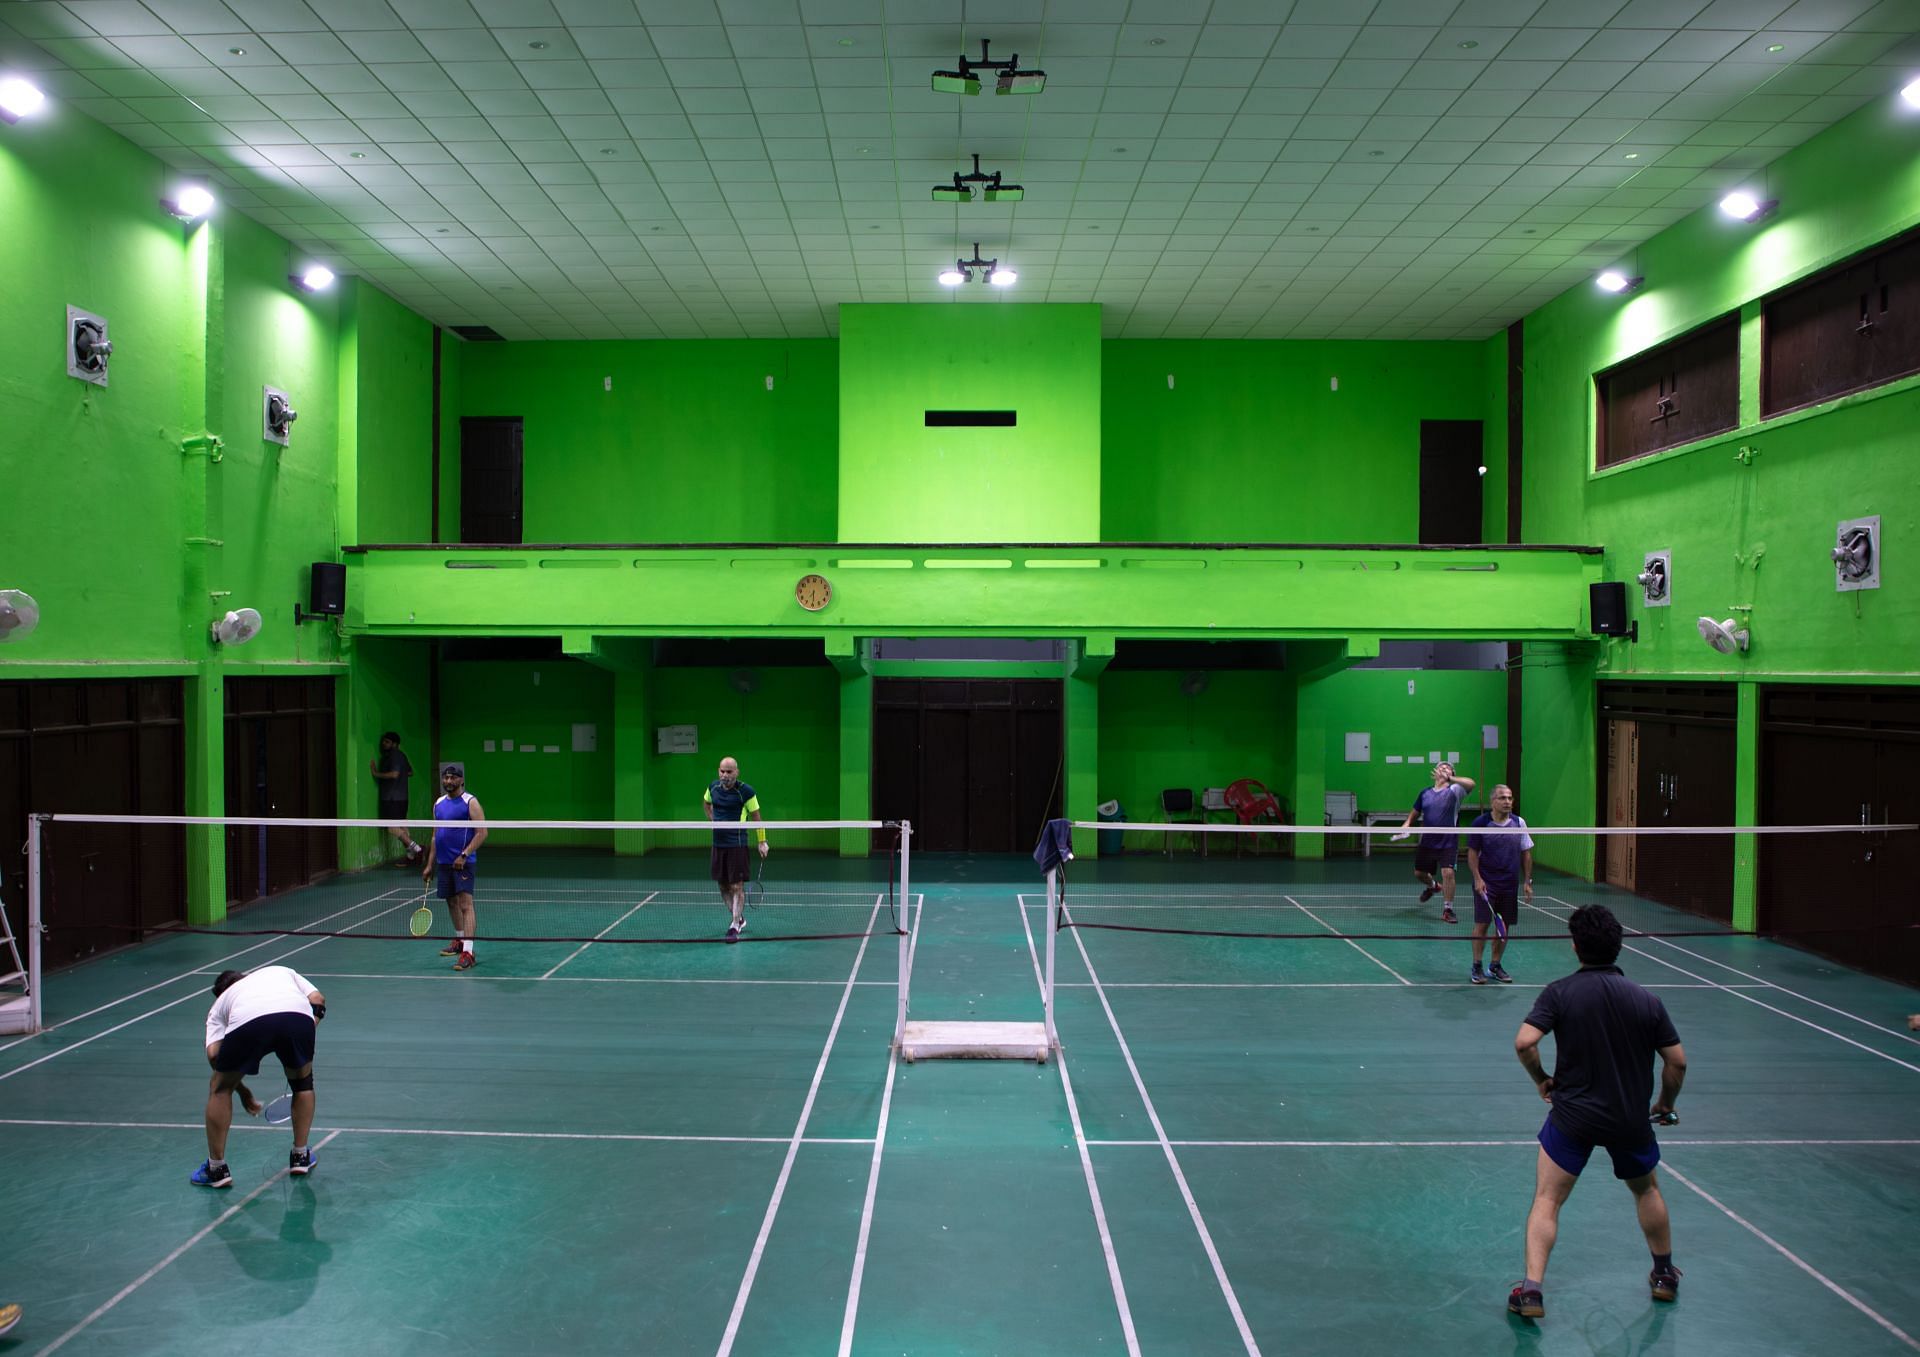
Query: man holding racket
{"x": 271, "y": 1011}
{"x": 1607, "y": 1031}
{"x": 456, "y": 843}
{"x": 1438, "y": 807}
{"x": 1502, "y": 867}
{"x": 729, "y": 800}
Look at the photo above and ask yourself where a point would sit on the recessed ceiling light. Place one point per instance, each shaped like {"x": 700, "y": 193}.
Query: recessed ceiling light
{"x": 1312, "y": 230}
{"x": 538, "y": 46}
{"x": 864, "y": 150}
{"x": 873, "y": 228}
{"x": 846, "y": 42}
{"x": 1467, "y": 46}
{"x": 1633, "y": 155}
{"x": 1121, "y": 150}
{"x": 608, "y": 150}
{"x": 1777, "y": 47}
{"x": 237, "y": 51}
{"x": 1376, "y": 152}
{"x": 1156, "y": 42}
{"x": 440, "y": 230}
{"x": 358, "y": 155}
{"x": 1528, "y": 230}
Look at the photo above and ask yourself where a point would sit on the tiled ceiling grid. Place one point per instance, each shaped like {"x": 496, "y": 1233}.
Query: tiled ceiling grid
{"x": 596, "y": 169}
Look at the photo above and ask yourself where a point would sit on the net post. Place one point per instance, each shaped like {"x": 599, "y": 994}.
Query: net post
{"x": 908, "y": 924}
{"x": 1053, "y": 931}
{"x": 34, "y": 824}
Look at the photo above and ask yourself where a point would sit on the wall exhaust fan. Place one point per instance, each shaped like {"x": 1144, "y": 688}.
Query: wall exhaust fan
{"x": 1656, "y": 580}
{"x": 1856, "y": 554}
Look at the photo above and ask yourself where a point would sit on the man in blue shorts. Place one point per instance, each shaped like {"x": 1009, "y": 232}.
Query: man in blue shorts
{"x": 271, "y": 1011}
{"x": 456, "y": 844}
{"x": 1502, "y": 867}
{"x": 731, "y": 801}
{"x": 1606, "y": 1032}
{"x": 1438, "y": 807}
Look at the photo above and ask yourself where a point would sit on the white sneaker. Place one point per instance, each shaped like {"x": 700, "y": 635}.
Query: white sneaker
{"x": 413, "y": 852}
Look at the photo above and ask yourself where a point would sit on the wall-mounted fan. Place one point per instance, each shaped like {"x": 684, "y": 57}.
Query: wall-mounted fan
{"x": 1724, "y": 637}
{"x": 19, "y": 614}
{"x": 237, "y": 627}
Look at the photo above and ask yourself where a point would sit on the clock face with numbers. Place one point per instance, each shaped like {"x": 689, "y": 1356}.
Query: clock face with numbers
{"x": 813, "y": 592}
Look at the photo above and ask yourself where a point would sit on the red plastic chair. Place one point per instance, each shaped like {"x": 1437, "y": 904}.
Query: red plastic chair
{"x": 1254, "y": 805}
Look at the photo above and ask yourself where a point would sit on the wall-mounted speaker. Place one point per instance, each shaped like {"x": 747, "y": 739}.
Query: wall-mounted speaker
{"x": 326, "y": 592}
{"x": 1607, "y": 604}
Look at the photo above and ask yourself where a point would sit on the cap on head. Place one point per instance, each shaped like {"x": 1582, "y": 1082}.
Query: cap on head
{"x": 458, "y": 770}
{"x": 393, "y": 735}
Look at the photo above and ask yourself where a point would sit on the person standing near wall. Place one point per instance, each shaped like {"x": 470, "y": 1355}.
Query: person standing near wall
{"x": 456, "y": 844}
{"x": 729, "y": 800}
{"x": 391, "y": 771}
{"x": 1438, "y": 807}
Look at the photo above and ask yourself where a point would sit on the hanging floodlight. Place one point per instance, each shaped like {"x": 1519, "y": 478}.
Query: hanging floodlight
{"x": 19, "y": 99}
{"x": 1615, "y": 281}
{"x": 991, "y": 188}
{"x": 1008, "y": 78}
{"x": 190, "y": 202}
{"x": 1743, "y": 206}
{"x": 964, "y": 269}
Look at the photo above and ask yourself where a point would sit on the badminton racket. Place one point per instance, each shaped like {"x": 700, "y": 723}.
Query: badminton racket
{"x": 421, "y": 920}
{"x": 757, "y": 888}
{"x": 280, "y": 1110}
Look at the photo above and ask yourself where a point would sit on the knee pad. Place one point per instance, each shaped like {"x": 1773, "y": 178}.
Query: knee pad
{"x": 301, "y": 1083}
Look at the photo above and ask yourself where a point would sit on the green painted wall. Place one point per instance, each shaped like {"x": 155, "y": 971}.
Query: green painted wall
{"x": 1445, "y": 711}
{"x": 534, "y": 704}
{"x": 386, "y": 438}
{"x": 688, "y": 445}
{"x": 1748, "y": 532}
{"x": 901, "y": 481}
{"x": 1252, "y": 445}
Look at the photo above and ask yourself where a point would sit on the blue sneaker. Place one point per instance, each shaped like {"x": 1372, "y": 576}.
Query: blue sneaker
{"x": 1499, "y": 972}
{"x": 300, "y": 1162}
{"x": 1477, "y": 976}
{"x": 208, "y": 1176}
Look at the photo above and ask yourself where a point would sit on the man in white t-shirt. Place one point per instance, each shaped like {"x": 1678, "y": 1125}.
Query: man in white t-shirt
{"x": 271, "y": 1011}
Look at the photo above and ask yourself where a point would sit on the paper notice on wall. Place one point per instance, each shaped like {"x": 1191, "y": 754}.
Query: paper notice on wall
{"x": 506, "y": 746}
{"x": 1489, "y": 737}
{"x": 586, "y": 737}
{"x": 1395, "y": 758}
{"x": 488, "y": 746}
{"x": 1453, "y": 756}
{"x": 678, "y": 740}
{"x": 549, "y": 749}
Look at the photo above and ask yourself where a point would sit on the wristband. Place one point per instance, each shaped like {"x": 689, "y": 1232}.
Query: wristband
{"x": 319, "y": 1011}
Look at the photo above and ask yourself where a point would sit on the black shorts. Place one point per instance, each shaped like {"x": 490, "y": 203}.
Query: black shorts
{"x": 1506, "y": 900}
{"x": 1431, "y": 858}
{"x": 454, "y": 880}
{"x": 286, "y": 1035}
{"x": 729, "y": 865}
{"x": 393, "y": 810}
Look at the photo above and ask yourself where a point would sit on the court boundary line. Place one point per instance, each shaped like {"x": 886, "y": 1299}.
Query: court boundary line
{"x": 852, "y": 1308}
{"x": 455, "y": 1133}
{"x": 1488, "y": 1144}
{"x": 1173, "y": 1160}
{"x": 793, "y": 1147}
{"x": 1745, "y": 997}
{"x": 650, "y": 897}
{"x": 1349, "y": 941}
{"x": 470, "y": 978}
{"x": 199, "y": 970}
{"x": 164, "y": 1263}
{"x": 1329, "y": 984}
{"x": 1795, "y": 1259}
{"x": 1114, "y": 1278}
{"x": 175, "y": 1003}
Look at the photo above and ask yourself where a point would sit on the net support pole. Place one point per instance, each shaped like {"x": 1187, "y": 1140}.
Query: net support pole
{"x": 1053, "y": 932}
{"x": 908, "y": 924}
{"x": 34, "y": 823}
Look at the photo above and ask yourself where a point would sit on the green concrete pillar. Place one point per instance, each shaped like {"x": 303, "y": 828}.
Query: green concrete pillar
{"x": 856, "y": 758}
{"x": 1310, "y": 761}
{"x": 206, "y": 739}
{"x": 1746, "y": 804}
{"x": 632, "y": 755}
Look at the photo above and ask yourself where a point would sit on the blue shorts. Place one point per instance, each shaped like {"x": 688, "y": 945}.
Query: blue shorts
{"x": 1571, "y": 1152}
{"x": 1505, "y": 899}
{"x": 454, "y": 881}
{"x": 287, "y": 1035}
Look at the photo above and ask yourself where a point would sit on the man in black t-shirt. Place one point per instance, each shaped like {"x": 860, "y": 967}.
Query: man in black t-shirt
{"x": 391, "y": 770}
{"x": 1606, "y": 1032}
{"x": 730, "y": 801}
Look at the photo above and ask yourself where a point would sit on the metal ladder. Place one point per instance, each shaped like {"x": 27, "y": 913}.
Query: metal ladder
{"x": 18, "y": 1006}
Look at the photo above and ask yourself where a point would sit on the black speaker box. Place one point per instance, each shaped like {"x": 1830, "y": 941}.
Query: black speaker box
{"x": 1608, "y": 604}
{"x": 327, "y": 589}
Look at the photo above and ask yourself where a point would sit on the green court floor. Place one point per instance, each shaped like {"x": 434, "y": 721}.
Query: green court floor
{"x": 1247, "y": 1145}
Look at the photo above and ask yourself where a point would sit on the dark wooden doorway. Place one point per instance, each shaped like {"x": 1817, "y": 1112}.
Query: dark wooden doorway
{"x": 1670, "y": 759}
{"x": 1450, "y": 482}
{"x": 280, "y": 762}
{"x": 974, "y": 763}
{"x": 105, "y": 747}
{"x": 491, "y": 488}
{"x": 1842, "y": 756}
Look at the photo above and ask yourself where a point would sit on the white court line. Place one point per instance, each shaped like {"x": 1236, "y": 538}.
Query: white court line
{"x": 1173, "y": 1160}
{"x": 158, "y": 1267}
{"x": 866, "y": 1210}
{"x": 1329, "y": 984}
{"x": 1764, "y": 983}
{"x": 198, "y": 970}
{"x": 441, "y": 1131}
{"x": 173, "y": 1003}
{"x": 469, "y": 978}
{"x": 1748, "y": 998}
{"x": 793, "y": 1148}
{"x": 1081, "y": 1142}
{"x": 603, "y": 932}
{"x": 1795, "y": 1259}
{"x": 1476, "y": 1144}
{"x": 1349, "y": 941}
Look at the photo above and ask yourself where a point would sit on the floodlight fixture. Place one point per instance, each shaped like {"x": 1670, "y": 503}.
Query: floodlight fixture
{"x": 953, "y": 277}
{"x": 19, "y": 99}
{"x": 1743, "y": 206}
{"x": 1008, "y": 77}
{"x": 1003, "y": 277}
{"x": 189, "y": 202}
{"x": 1615, "y": 281}
{"x": 314, "y": 278}
{"x": 991, "y": 188}
{"x": 963, "y": 270}
{"x": 1912, "y": 92}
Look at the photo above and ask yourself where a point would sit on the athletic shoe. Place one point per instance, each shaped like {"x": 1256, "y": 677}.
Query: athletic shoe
{"x": 1476, "y": 975}
{"x": 465, "y": 963}
{"x": 1447, "y": 916}
{"x": 413, "y": 852}
{"x": 742, "y": 925}
{"x": 1664, "y": 1282}
{"x": 733, "y": 932}
{"x": 1526, "y": 1302}
{"x": 9, "y": 1316}
{"x": 452, "y": 949}
{"x": 208, "y": 1176}
{"x": 1499, "y": 972}
{"x": 1428, "y": 894}
{"x": 300, "y": 1162}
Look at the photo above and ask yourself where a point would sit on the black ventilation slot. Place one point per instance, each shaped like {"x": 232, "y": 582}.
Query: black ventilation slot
{"x": 972, "y": 419}
{"x": 478, "y": 332}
